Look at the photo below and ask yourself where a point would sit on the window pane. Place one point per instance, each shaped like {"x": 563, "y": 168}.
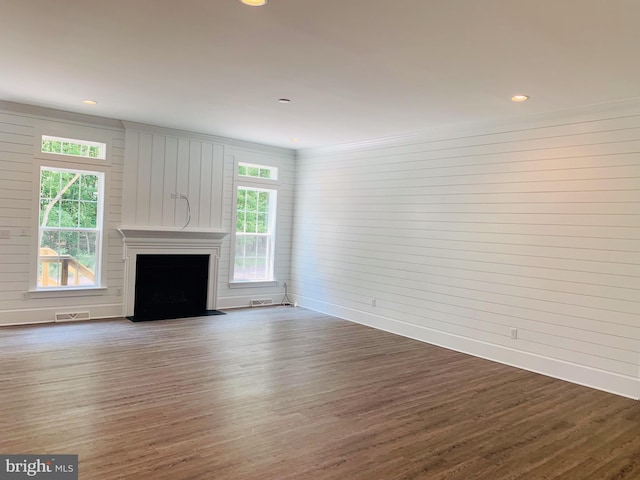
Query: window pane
{"x": 52, "y": 213}
{"x": 263, "y": 223}
{"x": 250, "y": 225}
{"x": 49, "y": 265}
{"x": 240, "y": 222}
{"x": 68, "y": 213}
{"x": 265, "y": 173}
{"x": 257, "y": 171}
{"x": 88, "y": 187}
{"x": 88, "y": 215}
{"x": 84, "y": 251}
{"x": 253, "y": 254}
{"x": 76, "y": 148}
{"x": 54, "y": 147}
{"x": 69, "y": 185}
{"x": 251, "y": 200}
{"x": 69, "y": 201}
{"x": 263, "y": 202}
{"x": 67, "y": 258}
{"x": 252, "y": 258}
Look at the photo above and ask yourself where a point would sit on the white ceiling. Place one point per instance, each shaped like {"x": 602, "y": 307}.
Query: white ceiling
{"x": 354, "y": 69}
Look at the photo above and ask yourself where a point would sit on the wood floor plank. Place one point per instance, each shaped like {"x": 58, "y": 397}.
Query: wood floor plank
{"x": 286, "y": 393}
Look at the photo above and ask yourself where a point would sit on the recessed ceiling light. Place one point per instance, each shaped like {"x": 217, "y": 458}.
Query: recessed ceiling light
{"x": 295, "y": 140}
{"x": 89, "y": 102}
{"x": 284, "y": 100}
{"x": 520, "y": 98}
{"x": 255, "y": 3}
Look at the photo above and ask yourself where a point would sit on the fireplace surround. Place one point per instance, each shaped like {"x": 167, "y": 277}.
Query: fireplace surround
{"x": 169, "y": 241}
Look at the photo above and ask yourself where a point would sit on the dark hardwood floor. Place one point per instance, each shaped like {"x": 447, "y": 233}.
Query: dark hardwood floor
{"x": 285, "y": 393}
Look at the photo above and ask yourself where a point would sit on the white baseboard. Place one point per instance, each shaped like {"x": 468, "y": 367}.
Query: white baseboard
{"x": 225, "y": 303}
{"x": 29, "y": 316}
{"x": 571, "y": 372}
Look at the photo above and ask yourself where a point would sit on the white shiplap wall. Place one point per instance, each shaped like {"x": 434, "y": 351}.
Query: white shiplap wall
{"x": 21, "y": 128}
{"x": 162, "y": 161}
{"x": 284, "y": 160}
{"x": 457, "y": 238}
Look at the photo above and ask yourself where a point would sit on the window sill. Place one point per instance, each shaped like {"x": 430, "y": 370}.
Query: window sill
{"x": 270, "y": 283}
{"x": 67, "y": 292}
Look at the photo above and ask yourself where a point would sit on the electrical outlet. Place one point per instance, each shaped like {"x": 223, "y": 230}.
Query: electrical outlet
{"x": 513, "y": 333}
{"x": 25, "y": 295}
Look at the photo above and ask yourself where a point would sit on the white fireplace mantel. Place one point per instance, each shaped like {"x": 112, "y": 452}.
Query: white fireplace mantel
{"x": 143, "y": 240}
{"x": 168, "y": 234}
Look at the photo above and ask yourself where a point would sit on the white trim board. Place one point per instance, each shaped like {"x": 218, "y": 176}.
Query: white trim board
{"x": 30, "y": 316}
{"x": 570, "y": 372}
{"x": 582, "y": 114}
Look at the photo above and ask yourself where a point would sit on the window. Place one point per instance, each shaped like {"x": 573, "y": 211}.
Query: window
{"x": 69, "y": 228}
{"x": 255, "y": 223}
{"x": 257, "y": 171}
{"x": 75, "y": 148}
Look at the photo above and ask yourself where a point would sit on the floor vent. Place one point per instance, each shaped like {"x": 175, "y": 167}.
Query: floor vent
{"x": 72, "y": 316}
{"x": 255, "y": 302}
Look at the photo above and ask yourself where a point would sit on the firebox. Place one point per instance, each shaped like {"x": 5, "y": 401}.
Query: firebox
{"x": 170, "y": 286}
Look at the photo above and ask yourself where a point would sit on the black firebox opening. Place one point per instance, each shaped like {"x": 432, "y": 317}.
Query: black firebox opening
{"x": 170, "y": 286}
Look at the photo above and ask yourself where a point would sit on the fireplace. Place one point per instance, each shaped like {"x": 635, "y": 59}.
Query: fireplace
{"x": 170, "y": 286}
{"x": 167, "y": 257}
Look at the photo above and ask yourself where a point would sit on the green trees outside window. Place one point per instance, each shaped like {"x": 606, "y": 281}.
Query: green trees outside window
{"x": 254, "y": 234}
{"x": 69, "y": 227}
{"x": 75, "y": 148}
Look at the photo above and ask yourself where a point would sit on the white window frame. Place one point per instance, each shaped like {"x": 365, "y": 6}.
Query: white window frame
{"x": 263, "y": 184}
{"x": 74, "y": 163}
{"x": 98, "y": 230}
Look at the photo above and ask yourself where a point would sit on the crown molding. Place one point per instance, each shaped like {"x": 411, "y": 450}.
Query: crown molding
{"x": 231, "y": 142}
{"x": 52, "y": 114}
{"x": 582, "y": 114}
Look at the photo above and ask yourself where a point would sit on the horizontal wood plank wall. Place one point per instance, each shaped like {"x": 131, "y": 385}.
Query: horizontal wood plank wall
{"x": 456, "y": 241}
{"x": 20, "y": 132}
{"x": 241, "y": 297}
{"x": 159, "y": 164}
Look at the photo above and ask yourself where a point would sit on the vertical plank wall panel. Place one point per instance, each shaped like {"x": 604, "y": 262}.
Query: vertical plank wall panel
{"x": 460, "y": 237}
{"x": 169, "y": 181}
{"x": 182, "y": 181}
{"x": 193, "y": 189}
{"x": 167, "y": 162}
{"x": 204, "y": 177}
{"x": 130, "y": 177}
{"x": 142, "y": 190}
{"x": 157, "y": 199}
{"x": 217, "y": 185}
